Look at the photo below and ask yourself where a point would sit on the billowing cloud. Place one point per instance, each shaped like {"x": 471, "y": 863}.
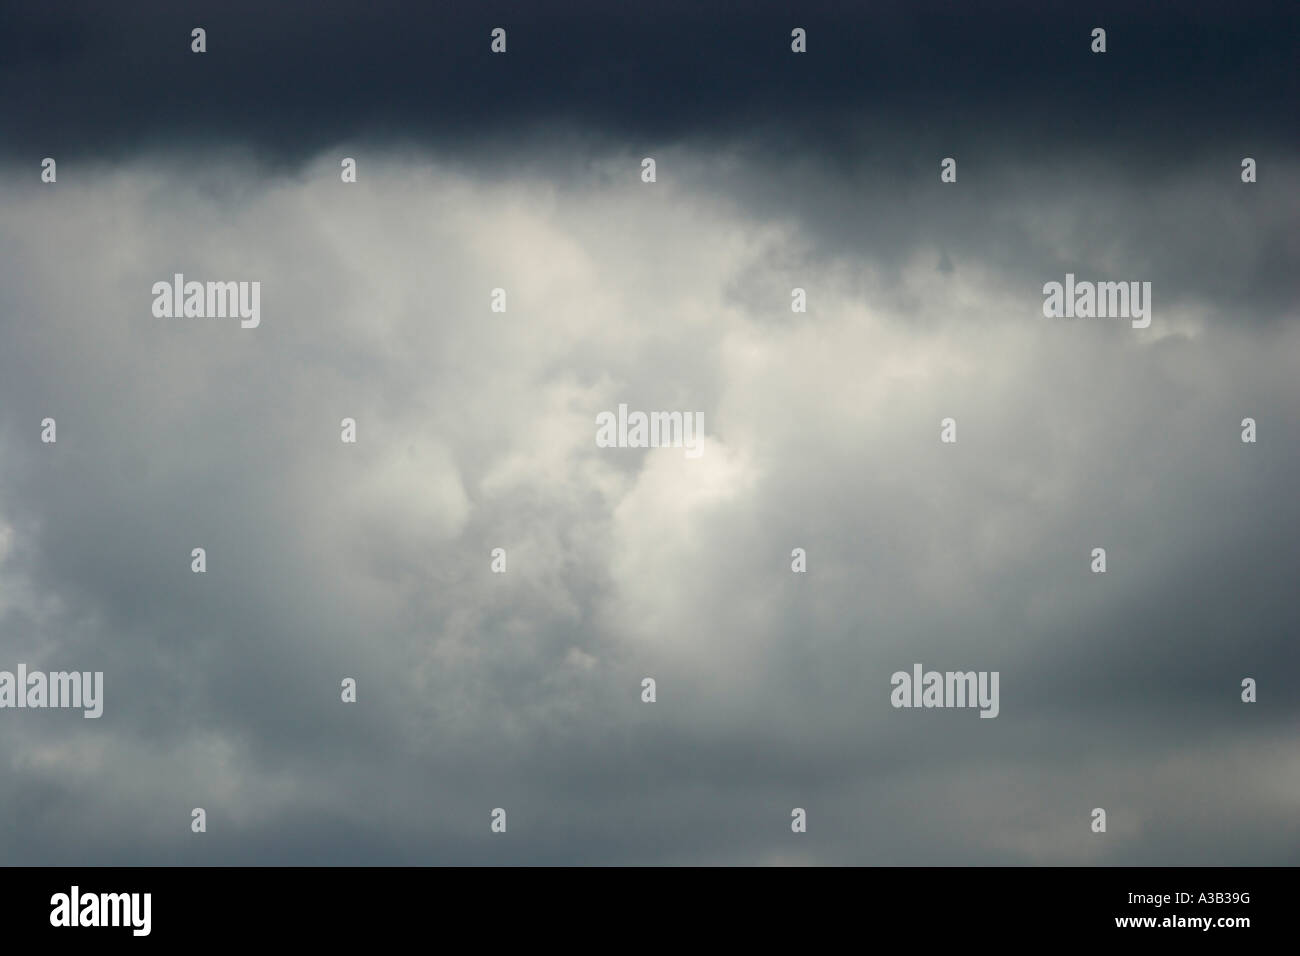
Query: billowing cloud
{"x": 476, "y": 431}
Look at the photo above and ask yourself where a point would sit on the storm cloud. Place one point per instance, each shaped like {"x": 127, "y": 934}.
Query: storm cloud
{"x": 476, "y": 431}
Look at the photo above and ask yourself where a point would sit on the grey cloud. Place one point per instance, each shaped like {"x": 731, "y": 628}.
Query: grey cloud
{"x": 476, "y": 431}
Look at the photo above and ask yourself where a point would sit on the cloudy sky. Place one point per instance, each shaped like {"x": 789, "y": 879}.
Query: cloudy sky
{"x": 476, "y": 431}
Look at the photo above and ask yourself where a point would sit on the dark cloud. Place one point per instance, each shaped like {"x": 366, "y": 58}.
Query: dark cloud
{"x": 522, "y": 690}
{"x": 89, "y": 80}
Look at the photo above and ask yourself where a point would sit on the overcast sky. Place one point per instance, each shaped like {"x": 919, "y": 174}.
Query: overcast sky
{"x": 476, "y": 431}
